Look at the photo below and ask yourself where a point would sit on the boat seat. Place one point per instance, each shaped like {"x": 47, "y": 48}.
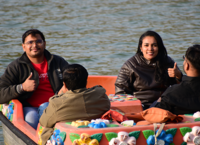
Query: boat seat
{"x": 107, "y": 82}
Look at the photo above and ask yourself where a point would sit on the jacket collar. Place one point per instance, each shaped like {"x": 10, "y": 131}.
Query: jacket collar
{"x": 142, "y": 60}
{"x": 187, "y": 78}
{"x": 77, "y": 90}
{"x": 25, "y": 59}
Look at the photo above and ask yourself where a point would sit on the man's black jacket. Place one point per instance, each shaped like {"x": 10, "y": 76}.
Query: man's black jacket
{"x": 19, "y": 70}
{"x": 183, "y": 98}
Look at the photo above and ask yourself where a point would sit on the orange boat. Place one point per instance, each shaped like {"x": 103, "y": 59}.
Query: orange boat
{"x": 17, "y": 131}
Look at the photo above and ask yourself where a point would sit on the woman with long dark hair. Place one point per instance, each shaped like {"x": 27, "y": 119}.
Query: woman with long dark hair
{"x": 148, "y": 73}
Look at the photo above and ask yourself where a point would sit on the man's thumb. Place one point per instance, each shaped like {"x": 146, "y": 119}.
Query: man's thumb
{"x": 175, "y": 65}
{"x": 29, "y": 77}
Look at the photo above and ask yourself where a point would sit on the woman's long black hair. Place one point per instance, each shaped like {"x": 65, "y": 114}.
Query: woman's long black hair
{"x": 161, "y": 75}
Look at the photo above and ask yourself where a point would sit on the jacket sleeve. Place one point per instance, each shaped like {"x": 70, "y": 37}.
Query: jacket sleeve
{"x": 46, "y": 134}
{"x": 164, "y": 103}
{"x": 48, "y": 120}
{"x": 124, "y": 82}
{"x": 49, "y": 116}
{"x": 8, "y": 82}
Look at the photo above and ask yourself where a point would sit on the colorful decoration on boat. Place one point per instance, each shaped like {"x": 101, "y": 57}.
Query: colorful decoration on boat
{"x": 183, "y": 131}
{"x": 4, "y": 109}
{"x": 68, "y": 123}
{"x": 110, "y": 135}
{"x": 197, "y": 114}
{"x": 193, "y": 137}
{"x": 100, "y": 120}
{"x": 147, "y": 133}
{"x": 128, "y": 123}
{"x": 1, "y": 107}
{"x": 99, "y": 123}
{"x": 197, "y": 119}
{"x": 39, "y": 135}
{"x": 85, "y": 139}
{"x": 112, "y": 125}
{"x": 121, "y": 97}
{"x": 122, "y": 137}
{"x": 188, "y": 114}
{"x": 8, "y": 110}
{"x": 171, "y": 131}
{"x": 164, "y": 138}
{"x": 57, "y": 138}
{"x": 82, "y": 123}
{"x": 187, "y": 122}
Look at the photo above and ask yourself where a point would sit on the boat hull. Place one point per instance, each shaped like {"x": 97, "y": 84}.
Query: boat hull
{"x": 16, "y": 131}
{"x": 10, "y": 138}
{"x": 13, "y": 135}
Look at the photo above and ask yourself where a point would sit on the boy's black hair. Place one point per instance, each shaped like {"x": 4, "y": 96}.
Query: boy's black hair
{"x": 75, "y": 76}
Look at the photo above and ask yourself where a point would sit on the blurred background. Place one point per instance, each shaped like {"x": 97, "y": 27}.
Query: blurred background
{"x": 99, "y": 34}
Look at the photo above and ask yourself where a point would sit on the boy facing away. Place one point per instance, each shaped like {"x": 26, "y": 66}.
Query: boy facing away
{"x": 75, "y": 102}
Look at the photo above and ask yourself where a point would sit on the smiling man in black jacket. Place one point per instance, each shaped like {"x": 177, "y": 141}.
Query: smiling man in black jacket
{"x": 184, "y": 98}
{"x": 32, "y": 78}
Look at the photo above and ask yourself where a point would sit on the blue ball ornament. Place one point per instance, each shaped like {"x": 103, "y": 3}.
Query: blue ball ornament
{"x": 169, "y": 138}
{"x": 151, "y": 140}
{"x": 59, "y": 140}
{"x": 161, "y": 135}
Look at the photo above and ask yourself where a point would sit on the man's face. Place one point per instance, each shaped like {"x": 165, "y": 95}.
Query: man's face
{"x": 34, "y": 46}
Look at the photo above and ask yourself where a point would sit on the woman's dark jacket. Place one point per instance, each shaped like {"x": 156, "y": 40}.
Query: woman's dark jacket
{"x": 137, "y": 77}
{"x": 19, "y": 70}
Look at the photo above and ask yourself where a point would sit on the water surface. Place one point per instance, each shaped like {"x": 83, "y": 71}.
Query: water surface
{"x": 99, "y": 34}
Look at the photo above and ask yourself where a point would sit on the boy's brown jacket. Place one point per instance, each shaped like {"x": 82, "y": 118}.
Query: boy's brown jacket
{"x": 84, "y": 104}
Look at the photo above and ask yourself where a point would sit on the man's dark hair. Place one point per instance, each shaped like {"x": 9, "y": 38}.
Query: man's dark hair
{"x": 33, "y": 32}
{"x": 75, "y": 76}
{"x": 193, "y": 55}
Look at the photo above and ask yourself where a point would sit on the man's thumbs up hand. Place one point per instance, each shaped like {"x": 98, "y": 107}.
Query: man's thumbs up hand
{"x": 174, "y": 72}
{"x": 29, "y": 85}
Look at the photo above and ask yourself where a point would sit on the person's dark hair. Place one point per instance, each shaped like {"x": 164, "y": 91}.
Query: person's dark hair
{"x": 192, "y": 54}
{"x": 33, "y": 32}
{"x": 75, "y": 76}
{"x": 161, "y": 75}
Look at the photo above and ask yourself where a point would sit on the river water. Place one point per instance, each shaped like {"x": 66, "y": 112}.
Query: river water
{"x": 99, "y": 34}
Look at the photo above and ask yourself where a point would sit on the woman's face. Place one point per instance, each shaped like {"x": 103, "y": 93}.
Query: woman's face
{"x": 149, "y": 47}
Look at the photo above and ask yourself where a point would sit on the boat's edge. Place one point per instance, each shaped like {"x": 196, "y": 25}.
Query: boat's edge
{"x": 12, "y": 134}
